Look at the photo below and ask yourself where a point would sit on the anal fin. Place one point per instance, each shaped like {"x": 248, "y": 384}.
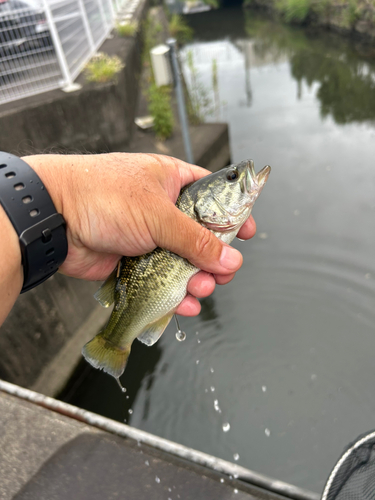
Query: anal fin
{"x": 154, "y": 331}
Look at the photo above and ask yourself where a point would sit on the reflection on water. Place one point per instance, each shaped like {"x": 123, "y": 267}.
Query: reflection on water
{"x": 285, "y": 351}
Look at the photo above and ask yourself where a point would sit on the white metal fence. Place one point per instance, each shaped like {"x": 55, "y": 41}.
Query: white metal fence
{"x": 44, "y": 44}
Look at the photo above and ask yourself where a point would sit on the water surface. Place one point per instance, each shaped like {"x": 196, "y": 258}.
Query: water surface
{"x": 286, "y": 349}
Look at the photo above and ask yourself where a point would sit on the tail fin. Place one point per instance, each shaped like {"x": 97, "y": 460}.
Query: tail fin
{"x": 102, "y": 354}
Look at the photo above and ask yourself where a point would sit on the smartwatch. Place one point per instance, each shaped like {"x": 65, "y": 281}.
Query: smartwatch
{"x": 41, "y": 230}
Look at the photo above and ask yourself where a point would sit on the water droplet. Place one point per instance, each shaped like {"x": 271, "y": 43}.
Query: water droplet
{"x": 221, "y": 480}
{"x": 264, "y": 388}
{"x": 235, "y": 491}
{"x": 236, "y": 456}
{"x": 235, "y": 476}
{"x": 180, "y": 336}
{"x": 313, "y": 376}
{"x": 198, "y": 341}
{"x": 157, "y": 479}
{"x": 127, "y": 397}
{"x": 130, "y": 411}
{"x": 267, "y": 432}
{"x": 196, "y": 333}
{"x": 147, "y": 462}
{"x": 197, "y": 362}
{"x": 367, "y": 276}
{"x": 169, "y": 489}
{"x": 216, "y": 406}
{"x": 206, "y": 390}
{"x": 231, "y": 477}
{"x": 139, "y": 442}
{"x": 212, "y": 388}
{"x": 296, "y": 212}
{"x": 212, "y": 370}
{"x": 226, "y": 427}
{"x": 263, "y": 236}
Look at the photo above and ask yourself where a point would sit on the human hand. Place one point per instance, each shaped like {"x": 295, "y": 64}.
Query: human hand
{"x": 124, "y": 204}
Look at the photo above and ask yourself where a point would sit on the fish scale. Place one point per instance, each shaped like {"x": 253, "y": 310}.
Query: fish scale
{"x": 149, "y": 288}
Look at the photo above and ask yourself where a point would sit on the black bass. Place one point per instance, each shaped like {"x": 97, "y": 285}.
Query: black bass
{"x": 147, "y": 290}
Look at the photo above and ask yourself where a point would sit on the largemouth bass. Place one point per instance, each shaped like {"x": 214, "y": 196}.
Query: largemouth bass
{"x": 147, "y": 290}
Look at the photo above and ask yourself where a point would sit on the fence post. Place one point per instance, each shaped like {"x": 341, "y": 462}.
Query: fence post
{"x": 180, "y": 100}
{"x": 102, "y": 13}
{"x": 68, "y": 82}
{"x": 86, "y": 25}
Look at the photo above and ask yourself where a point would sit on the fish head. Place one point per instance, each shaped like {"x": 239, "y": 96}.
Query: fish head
{"x": 224, "y": 199}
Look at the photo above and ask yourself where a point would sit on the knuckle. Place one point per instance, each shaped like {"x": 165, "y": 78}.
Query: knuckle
{"x": 203, "y": 243}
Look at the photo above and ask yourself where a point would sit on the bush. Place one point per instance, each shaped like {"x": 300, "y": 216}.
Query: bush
{"x": 160, "y": 109}
{"x": 294, "y": 10}
{"x": 179, "y": 29}
{"x": 103, "y": 68}
{"x": 125, "y": 28}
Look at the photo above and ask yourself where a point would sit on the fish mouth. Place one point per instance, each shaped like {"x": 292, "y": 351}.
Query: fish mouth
{"x": 253, "y": 181}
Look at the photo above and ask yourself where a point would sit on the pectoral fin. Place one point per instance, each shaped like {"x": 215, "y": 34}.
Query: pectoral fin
{"x": 154, "y": 331}
{"x": 106, "y": 293}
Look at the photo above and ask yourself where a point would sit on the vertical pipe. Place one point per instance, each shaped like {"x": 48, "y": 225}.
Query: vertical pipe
{"x": 58, "y": 47}
{"x": 180, "y": 100}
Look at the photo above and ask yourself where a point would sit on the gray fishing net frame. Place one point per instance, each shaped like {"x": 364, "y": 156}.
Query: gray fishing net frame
{"x": 353, "y": 477}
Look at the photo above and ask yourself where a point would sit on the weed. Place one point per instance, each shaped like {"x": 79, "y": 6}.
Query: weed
{"x": 124, "y": 28}
{"x": 103, "y": 68}
{"x": 179, "y": 29}
{"x": 160, "y": 109}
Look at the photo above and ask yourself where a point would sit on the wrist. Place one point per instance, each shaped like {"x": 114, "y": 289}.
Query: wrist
{"x": 11, "y": 270}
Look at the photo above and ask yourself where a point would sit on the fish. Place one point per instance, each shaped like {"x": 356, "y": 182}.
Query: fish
{"x": 146, "y": 290}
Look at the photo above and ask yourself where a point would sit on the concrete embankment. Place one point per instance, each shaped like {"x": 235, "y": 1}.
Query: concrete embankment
{"x": 41, "y": 340}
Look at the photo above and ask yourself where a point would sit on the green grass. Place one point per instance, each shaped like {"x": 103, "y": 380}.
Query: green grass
{"x": 179, "y": 29}
{"x": 159, "y": 106}
{"x": 103, "y": 68}
{"x": 124, "y": 28}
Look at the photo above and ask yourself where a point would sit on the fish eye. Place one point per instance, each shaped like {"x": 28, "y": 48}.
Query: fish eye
{"x": 232, "y": 175}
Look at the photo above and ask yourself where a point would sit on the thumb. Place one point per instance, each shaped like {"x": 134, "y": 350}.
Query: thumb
{"x": 182, "y": 235}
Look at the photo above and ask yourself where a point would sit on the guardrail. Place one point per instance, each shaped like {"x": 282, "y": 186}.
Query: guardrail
{"x": 44, "y": 44}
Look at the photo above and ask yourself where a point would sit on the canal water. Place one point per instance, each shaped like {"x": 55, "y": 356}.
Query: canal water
{"x": 277, "y": 372}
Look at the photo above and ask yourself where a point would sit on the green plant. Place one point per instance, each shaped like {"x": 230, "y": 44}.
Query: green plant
{"x": 294, "y": 10}
{"x": 103, "y": 68}
{"x": 215, "y": 4}
{"x": 352, "y": 13}
{"x": 179, "y": 29}
{"x": 200, "y": 101}
{"x": 160, "y": 109}
{"x": 124, "y": 28}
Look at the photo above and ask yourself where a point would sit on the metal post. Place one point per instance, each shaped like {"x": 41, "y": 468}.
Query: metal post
{"x": 180, "y": 100}
{"x": 86, "y": 26}
{"x": 68, "y": 81}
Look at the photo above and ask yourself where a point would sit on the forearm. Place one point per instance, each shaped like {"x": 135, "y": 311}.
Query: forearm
{"x": 11, "y": 273}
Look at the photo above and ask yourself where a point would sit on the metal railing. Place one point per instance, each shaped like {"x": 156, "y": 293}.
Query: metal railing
{"x": 44, "y": 44}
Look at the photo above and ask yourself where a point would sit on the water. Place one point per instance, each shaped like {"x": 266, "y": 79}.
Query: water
{"x": 288, "y": 346}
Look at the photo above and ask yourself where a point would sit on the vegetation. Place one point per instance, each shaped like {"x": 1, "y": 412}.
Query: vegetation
{"x": 179, "y": 29}
{"x": 161, "y": 110}
{"x": 159, "y": 98}
{"x": 125, "y": 28}
{"x": 103, "y": 68}
{"x": 200, "y": 100}
{"x": 339, "y": 13}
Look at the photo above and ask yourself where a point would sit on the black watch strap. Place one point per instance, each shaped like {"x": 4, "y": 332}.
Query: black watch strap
{"x": 41, "y": 230}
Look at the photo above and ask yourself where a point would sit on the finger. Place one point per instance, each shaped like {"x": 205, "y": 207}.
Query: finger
{"x": 188, "y": 172}
{"x": 201, "y": 285}
{"x": 189, "y": 307}
{"x": 248, "y": 230}
{"x": 176, "y": 232}
{"x": 224, "y": 279}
